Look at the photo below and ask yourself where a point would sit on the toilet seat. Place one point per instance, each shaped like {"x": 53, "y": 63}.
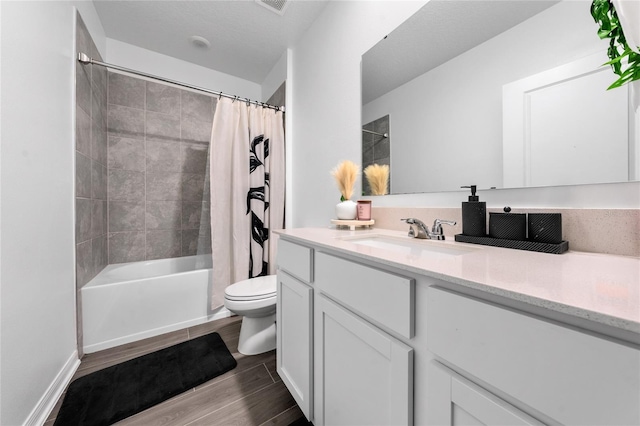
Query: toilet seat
{"x": 257, "y": 288}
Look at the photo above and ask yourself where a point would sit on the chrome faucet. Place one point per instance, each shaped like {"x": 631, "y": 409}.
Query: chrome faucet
{"x": 418, "y": 229}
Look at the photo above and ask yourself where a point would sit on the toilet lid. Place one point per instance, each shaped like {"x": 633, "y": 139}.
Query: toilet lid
{"x": 252, "y": 289}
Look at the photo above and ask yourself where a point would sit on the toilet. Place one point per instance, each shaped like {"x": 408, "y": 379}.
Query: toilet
{"x": 255, "y": 300}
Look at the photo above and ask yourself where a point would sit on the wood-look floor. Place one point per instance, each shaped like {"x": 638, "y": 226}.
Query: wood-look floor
{"x": 250, "y": 394}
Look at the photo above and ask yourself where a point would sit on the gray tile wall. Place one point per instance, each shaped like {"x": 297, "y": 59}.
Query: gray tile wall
{"x": 91, "y": 162}
{"x": 158, "y": 140}
{"x": 375, "y": 149}
{"x": 91, "y": 167}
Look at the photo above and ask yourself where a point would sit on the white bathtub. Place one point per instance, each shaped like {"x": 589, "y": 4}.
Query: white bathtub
{"x": 131, "y": 301}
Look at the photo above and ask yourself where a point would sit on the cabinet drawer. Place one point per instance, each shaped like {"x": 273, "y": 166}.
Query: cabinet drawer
{"x": 296, "y": 260}
{"x": 382, "y": 297}
{"x": 556, "y": 370}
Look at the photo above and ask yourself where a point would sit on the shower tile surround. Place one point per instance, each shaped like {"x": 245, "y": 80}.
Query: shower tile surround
{"x": 141, "y": 167}
{"x": 158, "y": 139}
{"x": 375, "y": 149}
{"x": 91, "y": 162}
{"x": 91, "y": 168}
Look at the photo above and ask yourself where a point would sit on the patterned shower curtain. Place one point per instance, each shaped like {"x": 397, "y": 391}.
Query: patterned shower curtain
{"x": 247, "y": 192}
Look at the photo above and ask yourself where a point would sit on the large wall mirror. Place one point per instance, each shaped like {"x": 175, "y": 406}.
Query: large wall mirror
{"x": 500, "y": 94}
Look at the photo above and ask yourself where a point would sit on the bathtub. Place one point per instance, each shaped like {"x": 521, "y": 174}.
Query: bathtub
{"x": 131, "y": 301}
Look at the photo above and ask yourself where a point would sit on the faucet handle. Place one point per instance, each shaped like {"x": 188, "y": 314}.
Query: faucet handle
{"x": 438, "y": 222}
{"x": 437, "y": 227}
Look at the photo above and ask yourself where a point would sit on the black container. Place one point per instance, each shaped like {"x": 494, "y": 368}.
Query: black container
{"x": 545, "y": 227}
{"x": 508, "y": 226}
{"x": 474, "y": 215}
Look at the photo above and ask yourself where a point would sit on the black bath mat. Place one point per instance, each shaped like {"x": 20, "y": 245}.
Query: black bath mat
{"x": 115, "y": 393}
{"x": 302, "y": 421}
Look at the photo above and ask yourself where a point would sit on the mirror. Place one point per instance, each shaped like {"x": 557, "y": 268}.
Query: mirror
{"x": 500, "y": 94}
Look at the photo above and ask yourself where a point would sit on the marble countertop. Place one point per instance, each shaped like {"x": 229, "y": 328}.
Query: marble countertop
{"x": 597, "y": 287}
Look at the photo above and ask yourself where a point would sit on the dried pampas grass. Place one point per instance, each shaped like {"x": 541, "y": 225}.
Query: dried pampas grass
{"x": 378, "y": 177}
{"x": 345, "y": 175}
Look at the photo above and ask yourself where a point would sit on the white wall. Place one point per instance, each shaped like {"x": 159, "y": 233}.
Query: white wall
{"x": 326, "y": 84}
{"x": 137, "y": 58}
{"x": 326, "y": 99}
{"x": 276, "y": 77}
{"x": 37, "y": 278}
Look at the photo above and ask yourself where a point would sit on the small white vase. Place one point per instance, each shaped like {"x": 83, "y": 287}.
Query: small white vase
{"x": 347, "y": 210}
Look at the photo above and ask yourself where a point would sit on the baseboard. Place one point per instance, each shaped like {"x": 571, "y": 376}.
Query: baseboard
{"x": 95, "y": 347}
{"x": 53, "y": 393}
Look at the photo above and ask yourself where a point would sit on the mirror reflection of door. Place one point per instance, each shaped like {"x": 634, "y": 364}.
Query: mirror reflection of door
{"x": 376, "y": 147}
{"x": 563, "y": 127}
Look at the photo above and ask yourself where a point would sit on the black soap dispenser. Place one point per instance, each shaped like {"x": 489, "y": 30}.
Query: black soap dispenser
{"x": 474, "y": 215}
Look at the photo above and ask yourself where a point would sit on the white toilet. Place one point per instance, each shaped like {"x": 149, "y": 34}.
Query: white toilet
{"x": 255, "y": 299}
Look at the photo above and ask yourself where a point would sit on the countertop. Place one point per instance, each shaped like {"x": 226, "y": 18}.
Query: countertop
{"x": 597, "y": 287}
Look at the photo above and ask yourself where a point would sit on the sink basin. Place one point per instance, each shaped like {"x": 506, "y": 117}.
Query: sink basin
{"x": 407, "y": 245}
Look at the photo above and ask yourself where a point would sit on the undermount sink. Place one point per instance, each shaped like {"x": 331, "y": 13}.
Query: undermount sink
{"x": 407, "y": 245}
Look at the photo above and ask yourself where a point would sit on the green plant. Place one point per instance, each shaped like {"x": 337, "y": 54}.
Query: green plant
{"x": 604, "y": 13}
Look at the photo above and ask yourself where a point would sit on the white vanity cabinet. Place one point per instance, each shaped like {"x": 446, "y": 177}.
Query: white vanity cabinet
{"x": 363, "y": 375}
{"x": 294, "y": 323}
{"x": 363, "y": 341}
{"x": 555, "y": 373}
{"x": 332, "y": 355}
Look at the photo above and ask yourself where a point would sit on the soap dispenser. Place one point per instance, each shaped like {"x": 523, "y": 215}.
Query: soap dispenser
{"x": 474, "y": 215}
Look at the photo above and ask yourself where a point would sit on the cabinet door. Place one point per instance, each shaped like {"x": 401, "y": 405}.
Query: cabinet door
{"x": 572, "y": 377}
{"x": 458, "y": 401}
{"x": 294, "y": 339}
{"x": 363, "y": 375}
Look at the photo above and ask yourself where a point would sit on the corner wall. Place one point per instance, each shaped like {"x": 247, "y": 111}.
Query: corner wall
{"x": 273, "y": 82}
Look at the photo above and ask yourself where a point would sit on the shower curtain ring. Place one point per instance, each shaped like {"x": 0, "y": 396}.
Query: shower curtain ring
{"x": 248, "y": 101}
{"x": 234, "y": 99}
{"x": 219, "y": 95}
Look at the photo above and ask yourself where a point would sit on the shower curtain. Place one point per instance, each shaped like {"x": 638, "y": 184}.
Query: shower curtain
{"x": 247, "y": 192}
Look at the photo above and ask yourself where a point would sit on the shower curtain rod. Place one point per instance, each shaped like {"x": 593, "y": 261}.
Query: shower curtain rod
{"x": 384, "y": 135}
{"x": 85, "y": 59}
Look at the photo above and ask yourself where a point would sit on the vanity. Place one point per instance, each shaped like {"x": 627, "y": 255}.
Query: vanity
{"x": 376, "y": 328}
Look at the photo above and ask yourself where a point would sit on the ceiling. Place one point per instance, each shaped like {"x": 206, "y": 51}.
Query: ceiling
{"x": 440, "y": 31}
{"x": 247, "y": 39}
